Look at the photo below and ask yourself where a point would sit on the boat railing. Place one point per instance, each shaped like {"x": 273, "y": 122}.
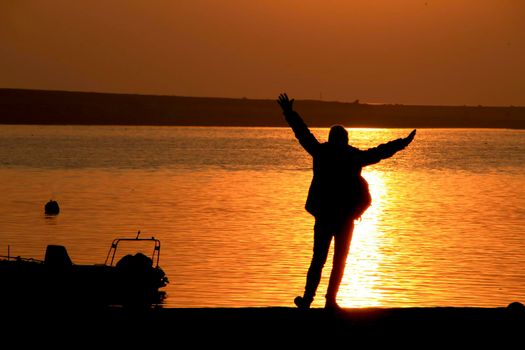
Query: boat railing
{"x": 19, "y": 258}
{"x": 155, "y": 256}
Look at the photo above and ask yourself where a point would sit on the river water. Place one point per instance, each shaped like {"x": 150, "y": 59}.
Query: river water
{"x": 446, "y": 227}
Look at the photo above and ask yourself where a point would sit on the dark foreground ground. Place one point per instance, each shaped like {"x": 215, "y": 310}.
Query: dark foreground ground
{"x": 251, "y": 327}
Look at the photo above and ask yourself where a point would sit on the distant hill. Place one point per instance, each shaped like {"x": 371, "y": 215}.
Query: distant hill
{"x": 20, "y": 106}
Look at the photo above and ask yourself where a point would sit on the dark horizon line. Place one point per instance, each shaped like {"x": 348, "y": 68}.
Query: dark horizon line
{"x": 263, "y": 126}
{"x": 356, "y": 101}
{"x": 56, "y": 107}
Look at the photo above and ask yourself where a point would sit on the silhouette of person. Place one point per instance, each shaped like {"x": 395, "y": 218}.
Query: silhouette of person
{"x": 338, "y": 195}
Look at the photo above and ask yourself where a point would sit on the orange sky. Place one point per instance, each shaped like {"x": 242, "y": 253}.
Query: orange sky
{"x": 451, "y": 52}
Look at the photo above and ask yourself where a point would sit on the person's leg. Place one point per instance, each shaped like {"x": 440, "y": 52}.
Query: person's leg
{"x": 343, "y": 237}
{"x": 322, "y": 240}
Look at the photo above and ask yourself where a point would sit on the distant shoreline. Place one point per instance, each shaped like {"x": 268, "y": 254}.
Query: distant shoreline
{"x": 49, "y": 107}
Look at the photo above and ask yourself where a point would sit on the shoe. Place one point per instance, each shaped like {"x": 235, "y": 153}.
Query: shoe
{"x": 302, "y": 303}
{"x": 332, "y": 306}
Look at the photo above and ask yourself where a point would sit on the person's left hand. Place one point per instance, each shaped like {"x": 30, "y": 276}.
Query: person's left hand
{"x": 285, "y": 103}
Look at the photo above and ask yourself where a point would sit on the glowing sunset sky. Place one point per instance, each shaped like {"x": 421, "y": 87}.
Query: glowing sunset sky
{"x": 451, "y": 52}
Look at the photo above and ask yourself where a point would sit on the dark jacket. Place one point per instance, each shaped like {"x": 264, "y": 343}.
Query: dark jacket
{"x": 338, "y": 190}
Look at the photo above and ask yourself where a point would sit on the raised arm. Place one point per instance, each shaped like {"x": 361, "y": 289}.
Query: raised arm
{"x": 301, "y": 131}
{"x": 386, "y": 150}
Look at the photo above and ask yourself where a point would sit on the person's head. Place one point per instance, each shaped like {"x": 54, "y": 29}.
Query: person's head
{"x": 338, "y": 135}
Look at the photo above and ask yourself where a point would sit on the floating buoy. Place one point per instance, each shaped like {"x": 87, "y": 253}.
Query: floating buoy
{"x": 52, "y": 208}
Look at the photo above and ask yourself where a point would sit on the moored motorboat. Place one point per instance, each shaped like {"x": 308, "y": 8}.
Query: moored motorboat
{"x": 135, "y": 279}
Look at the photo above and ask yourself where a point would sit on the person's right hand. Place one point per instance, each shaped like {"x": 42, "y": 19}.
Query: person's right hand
{"x": 285, "y": 103}
{"x": 410, "y": 137}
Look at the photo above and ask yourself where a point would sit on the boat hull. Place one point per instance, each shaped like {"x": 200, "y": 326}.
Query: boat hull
{"x": 31, "y": 282}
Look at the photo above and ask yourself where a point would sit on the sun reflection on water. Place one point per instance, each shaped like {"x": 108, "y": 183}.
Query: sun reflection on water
{"x": 358, "y": 288}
